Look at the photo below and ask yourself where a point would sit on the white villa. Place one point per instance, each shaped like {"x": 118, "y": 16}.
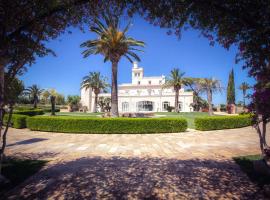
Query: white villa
{"x": 144, "y": 94}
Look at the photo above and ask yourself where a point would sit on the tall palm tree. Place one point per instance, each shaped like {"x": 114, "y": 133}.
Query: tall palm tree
{"x": 176, "y": 81}
{"x": 193, "y": 84}
{"x": 244, "y": 87}
{"x": 34, "y": 92}
{"x": 112, "y": 43}
{"x": 210, "y": 86}
{"x": 97, "y": 83}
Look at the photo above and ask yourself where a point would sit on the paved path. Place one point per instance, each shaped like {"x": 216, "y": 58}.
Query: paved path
{"x": 190, "y": 165}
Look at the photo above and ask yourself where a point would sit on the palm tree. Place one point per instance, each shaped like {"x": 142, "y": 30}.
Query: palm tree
{"x": 112, "y": 43}
{"x": 210, "y": 86}
{"x": 193, "y": 85}
{"x": 175, "y": 80}
{"x": 34, "y": 92}
{"x": 97, "y": 83}
{"x": 244, "y": 87}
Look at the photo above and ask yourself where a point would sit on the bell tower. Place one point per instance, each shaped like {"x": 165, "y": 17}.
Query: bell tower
{"x": 137, "y": 74}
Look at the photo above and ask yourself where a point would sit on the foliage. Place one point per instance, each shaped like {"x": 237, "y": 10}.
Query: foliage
{"x": 176, "y": 81}
{"x": 18, "y": 170}
{"x": 104, "y": 104}
{"x": 13, "y": 89}
{"x": 17, "y": 121}
{"x": 113, "y": 44}
{"x": 31, "y": 112}
{"x": 221, "y": 122}
{"x": 244, "y": 87}
{"x": 170, "y": 108}
{"x": 223, "y": 108}
{"x": 97, "y": 83}
{"x": 106, "y": 125}
{"x": 210, "y": 86}
{"x": 231, "y": 89}
{"x": 46, "y": 94}
{"x": 247, "y": 166}
{"x": 34, "y": 93}
{"x": 74, "y": 102}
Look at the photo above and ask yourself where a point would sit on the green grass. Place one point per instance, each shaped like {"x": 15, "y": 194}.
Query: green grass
{"x": 78, "y": 114}
{"x": 18, "y": 170}
{"x": 189, "y": 116}
{"x": 246, "y": 165}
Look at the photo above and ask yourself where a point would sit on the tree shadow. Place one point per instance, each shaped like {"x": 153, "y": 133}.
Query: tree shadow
{"x": 139, "y": 178}
{"x": 29, "y": 141}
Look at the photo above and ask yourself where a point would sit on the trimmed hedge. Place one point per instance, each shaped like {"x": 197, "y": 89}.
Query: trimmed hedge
{"x": 29, "y": 112}
{"x": 106, "y": 125}
{"x": 221, "y": 122}
{"x": 17, "y": 121}
{"x": 48, "y": 110}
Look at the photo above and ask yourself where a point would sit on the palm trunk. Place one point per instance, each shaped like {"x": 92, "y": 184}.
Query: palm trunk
{"x": 35, "y": 102}
{"x": 114, "y": 94}
{"x": 209, "y": 99}
{"x": 95, "y": 102}
{"x": 2, "y": 80}
{"x": 53, "y": 105}
{"x": 176, "y": 108}
{"x": 244, "y": 99}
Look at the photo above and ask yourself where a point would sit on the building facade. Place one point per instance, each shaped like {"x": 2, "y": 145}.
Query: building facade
{"x": 143, "y": 94}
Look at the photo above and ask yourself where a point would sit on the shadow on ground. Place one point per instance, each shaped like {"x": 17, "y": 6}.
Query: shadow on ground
{"x": 29, "y": 141}
{"x": 138, "y": 178}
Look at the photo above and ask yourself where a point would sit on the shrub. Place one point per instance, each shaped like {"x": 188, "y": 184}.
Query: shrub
{"x": 221, "y": 122}
{"x": 106, "y": 125}
{"x": 48, "y": 110}
{"x": 29, "y": 112}
{"x": 17, "y": 121}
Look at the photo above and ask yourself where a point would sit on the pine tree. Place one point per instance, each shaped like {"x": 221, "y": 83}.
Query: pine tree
{"x": 231, "y": 89}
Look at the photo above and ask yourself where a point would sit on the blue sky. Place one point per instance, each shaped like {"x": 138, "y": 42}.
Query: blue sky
{"x": 192, "y": 54}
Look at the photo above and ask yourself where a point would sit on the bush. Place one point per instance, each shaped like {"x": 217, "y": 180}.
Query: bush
{"x": 31, "y": 112}
{"x": 17, "y": 121}
{"x": 221, "y": 122}
{"x": 48, "y": 110}
{"x": 106, "y": 125}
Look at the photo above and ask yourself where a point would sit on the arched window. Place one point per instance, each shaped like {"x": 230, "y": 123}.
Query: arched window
{"x": 125, "y": 107}
{"x": 165, "y": 105}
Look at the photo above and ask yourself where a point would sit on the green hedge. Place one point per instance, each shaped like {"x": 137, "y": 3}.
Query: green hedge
{"x": 29, "y": 112}
{"x": 48, "y": 110}
{"x": 17, "y": 121}
{"x": 106, "y": 125}
{"x": 221, "y": 122}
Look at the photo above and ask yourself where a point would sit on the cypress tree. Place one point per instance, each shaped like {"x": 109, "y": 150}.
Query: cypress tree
{"x": 231, "y": 89}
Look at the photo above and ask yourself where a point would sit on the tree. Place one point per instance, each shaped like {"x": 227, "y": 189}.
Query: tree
{"x": 104, "y": 104}
{"x": 244, "y": 87}
{"x": 113, "y": 44}
{"x": 176, "y": 81}
{"x": 210, "y": 86}
{"x": 231, "y": 89}
{"x": 97, "y": 83}
{"x": 34, "y": 93}
{"x": 13, "y": 89}
{"x": 73, "y": 102}
{"x": 193, "y": 84}
{"x": 45, "y": 96}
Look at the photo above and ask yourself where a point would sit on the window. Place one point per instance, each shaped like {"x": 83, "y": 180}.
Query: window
{"x": 180, "y": 106}
{"x": 145, "y": 106}
{"x": 139, "y": 82}
{"x": 165, "y": 105}
{"x": 160, "y": 82}
{"x": 125, "y": 107}
{"x": 149, "y": 82}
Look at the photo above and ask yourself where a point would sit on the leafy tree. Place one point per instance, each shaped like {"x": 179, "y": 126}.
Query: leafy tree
{"x": 104, "y": 104}
{"x": 45, "y": 96}
{"x": 34, "y": 93}
{"x": 60, "y": 99}
{"x": 210, "y": 86}
{"x": 74, "y": 102}
{"x": 113, "y": 44}
{"x": 231, "y": 89}
{"x": 97, "y": 83}
{"x": 244, "y": 87}
{"x": 176, "y": 81}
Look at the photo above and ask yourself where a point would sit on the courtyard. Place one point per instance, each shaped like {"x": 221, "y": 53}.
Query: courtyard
{"x": 187, "y": 165}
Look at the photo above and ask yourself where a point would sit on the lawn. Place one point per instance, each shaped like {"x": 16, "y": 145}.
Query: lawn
{"x": 189, "y": 116}
{"x": 246, "y": 165}
{"x": 18, "y": 170}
